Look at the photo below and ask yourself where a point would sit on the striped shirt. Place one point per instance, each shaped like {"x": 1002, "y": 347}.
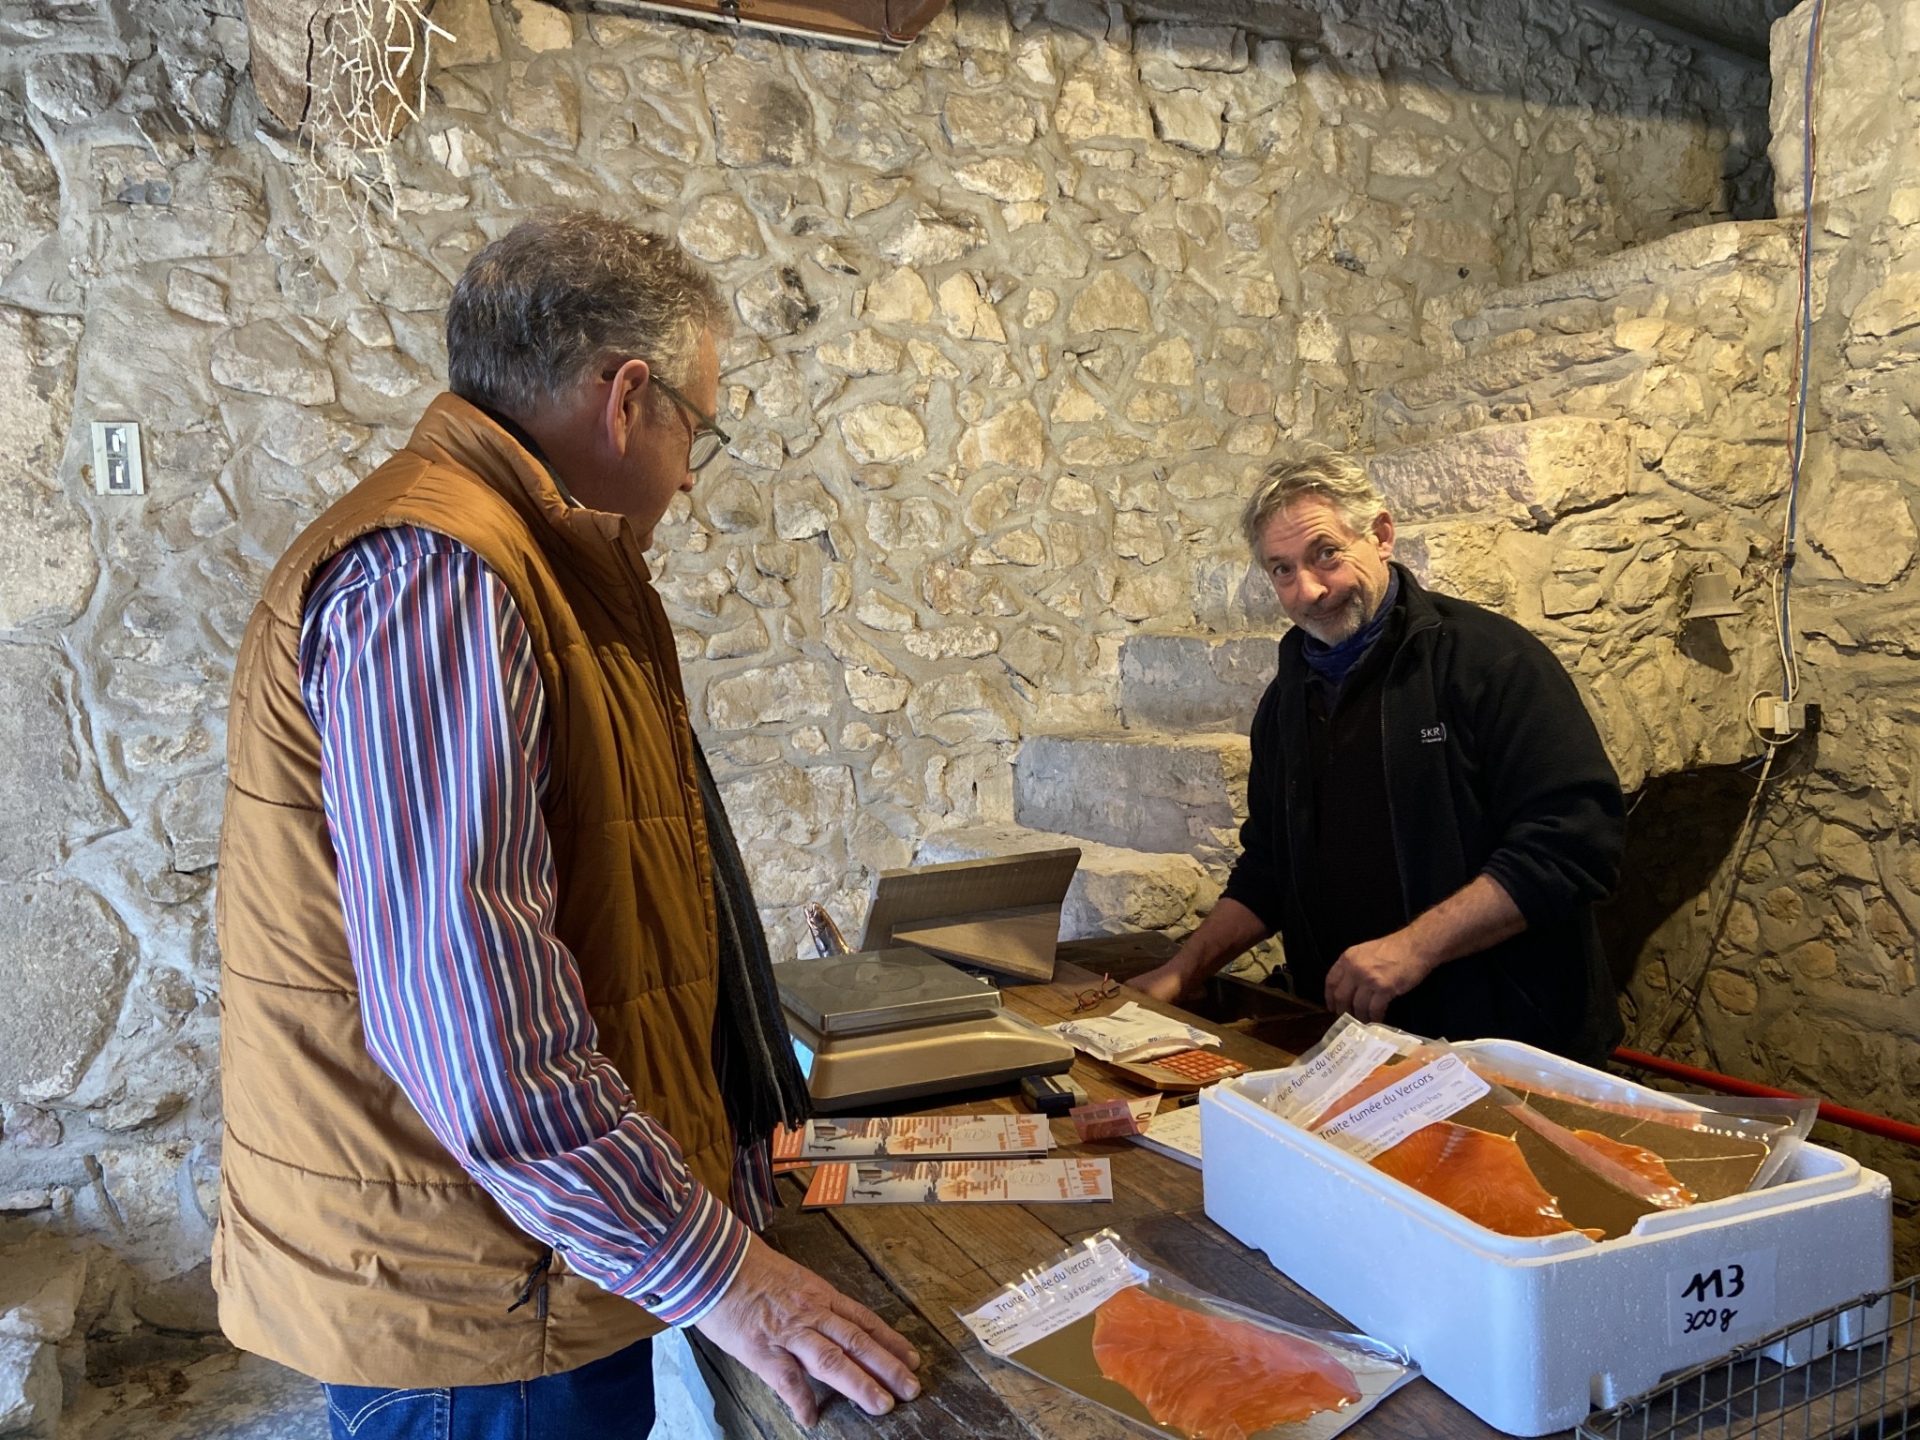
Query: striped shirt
{"x": 420, "y": 677}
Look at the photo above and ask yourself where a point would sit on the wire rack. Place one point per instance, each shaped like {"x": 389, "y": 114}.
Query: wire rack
{"x": 1845, "y": 1374}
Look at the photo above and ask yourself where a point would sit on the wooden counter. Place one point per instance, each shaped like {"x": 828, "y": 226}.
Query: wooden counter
{"x": 915, "y": 1264}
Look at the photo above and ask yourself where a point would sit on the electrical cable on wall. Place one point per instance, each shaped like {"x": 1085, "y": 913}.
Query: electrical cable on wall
{"x": 1788, "y": 719}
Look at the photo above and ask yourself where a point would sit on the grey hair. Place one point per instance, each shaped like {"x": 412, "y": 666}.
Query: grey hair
{"x": 537, "y": 310}
{"x": 1338, "y": 479}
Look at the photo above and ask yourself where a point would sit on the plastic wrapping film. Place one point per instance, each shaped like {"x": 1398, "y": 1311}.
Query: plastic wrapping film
{"x": 1173, "y": 1360}
{"x": 1518, "y": 1148}
{"x": 1779, "y": 1125}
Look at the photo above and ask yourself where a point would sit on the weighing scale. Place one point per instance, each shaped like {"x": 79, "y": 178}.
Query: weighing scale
{"x": 895, "y": 1022}
{"x": 1000, "y": 913}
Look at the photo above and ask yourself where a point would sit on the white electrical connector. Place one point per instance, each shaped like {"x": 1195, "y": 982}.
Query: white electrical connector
{"x": 116, "y": 458}
{"x": 1777, "y": 721}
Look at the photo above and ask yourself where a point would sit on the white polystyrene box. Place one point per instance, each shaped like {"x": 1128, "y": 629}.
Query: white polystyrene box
{"x": 1532, "y": 1334}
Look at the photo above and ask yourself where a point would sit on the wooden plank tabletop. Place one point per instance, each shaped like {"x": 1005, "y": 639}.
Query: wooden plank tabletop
{"x": 915, "y": 1265}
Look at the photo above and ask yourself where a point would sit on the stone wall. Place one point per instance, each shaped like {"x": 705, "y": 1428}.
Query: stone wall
{"x": 1022, "y": 310}
{"x": 1814, "y": 987}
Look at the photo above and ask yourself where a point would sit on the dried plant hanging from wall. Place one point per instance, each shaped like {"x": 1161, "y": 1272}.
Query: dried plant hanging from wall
{"x": 366, "y": 80}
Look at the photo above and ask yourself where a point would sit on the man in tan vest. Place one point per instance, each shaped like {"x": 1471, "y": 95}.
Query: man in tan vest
{"x": 500, "y": 1054}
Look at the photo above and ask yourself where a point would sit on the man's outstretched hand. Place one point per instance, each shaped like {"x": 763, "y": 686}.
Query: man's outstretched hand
{"x": 1370, "y": 976}
{"x": 784, "y": 1323}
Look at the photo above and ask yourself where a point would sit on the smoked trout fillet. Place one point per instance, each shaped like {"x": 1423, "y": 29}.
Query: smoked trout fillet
{"x": 1642, "y": 1164}
{"x": 1483, "y": 1176}
{"x": 1213, "y": 1379}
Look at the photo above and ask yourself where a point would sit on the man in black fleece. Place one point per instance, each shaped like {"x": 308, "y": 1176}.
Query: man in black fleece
{"x": 1430, "y": 813}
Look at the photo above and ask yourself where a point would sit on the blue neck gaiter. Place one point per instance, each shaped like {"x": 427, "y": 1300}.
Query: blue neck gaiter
{"x": 1332, "y": 662}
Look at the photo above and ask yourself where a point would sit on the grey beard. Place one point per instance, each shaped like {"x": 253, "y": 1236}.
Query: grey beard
{"x": 1342, "y": 625}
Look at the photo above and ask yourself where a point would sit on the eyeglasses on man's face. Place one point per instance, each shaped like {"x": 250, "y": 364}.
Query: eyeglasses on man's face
{"x": 708, "y": 439}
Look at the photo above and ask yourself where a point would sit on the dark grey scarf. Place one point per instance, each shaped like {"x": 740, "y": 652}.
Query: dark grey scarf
{"x": 753, "y": 1058}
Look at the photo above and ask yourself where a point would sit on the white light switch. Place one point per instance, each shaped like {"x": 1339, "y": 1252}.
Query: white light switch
{"x": 116, "y": 458}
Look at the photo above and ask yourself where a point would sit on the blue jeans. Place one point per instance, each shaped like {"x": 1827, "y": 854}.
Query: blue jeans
{"x": 611, "y": 1399}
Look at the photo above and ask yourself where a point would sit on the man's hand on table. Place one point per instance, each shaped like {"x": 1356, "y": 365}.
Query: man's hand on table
{"x": 784, "y": 1323}
{"x": 1369, "y": 976}
{"x": 1167, "y": 983}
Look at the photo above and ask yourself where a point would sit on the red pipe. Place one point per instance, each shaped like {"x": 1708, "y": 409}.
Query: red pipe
{"x": 1713, "y": 1080}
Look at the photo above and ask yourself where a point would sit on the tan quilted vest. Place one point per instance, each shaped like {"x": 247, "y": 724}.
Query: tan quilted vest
{"x": 351, "y": 1246}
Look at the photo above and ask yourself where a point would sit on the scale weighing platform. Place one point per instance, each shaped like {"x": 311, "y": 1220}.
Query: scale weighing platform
{"x": 894, "y": 1022}
{"x": 897, "y": 1024}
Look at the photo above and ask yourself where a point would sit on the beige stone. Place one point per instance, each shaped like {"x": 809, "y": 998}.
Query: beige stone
{"x": 1488, "y": 171}
{"x": 719, "y": 229}
{"x": 1535, "y": 471}
{"x": 995, "y": 121}
{"x": 901, "y": 297}
{"x": 878, "y": 610}
{"x": 1735, "y": 993}
{"x": 769, "y": 695}
{"x": 1003, "y": 178}
{"x": 470, "y": 37}
{"x": 1153, "y": 407}
{"x": 1168, "y": 363}
{"x": 1866, "y": 528}
{"x": 1074, "y": 406}
{"x": 1110, "y": 302}
{"x": 461, "y": 150}
{"x": 1189, "y": 118}
{"x": 1151, "y": 597}
{"x": 1890, "y": 309}
{"x": 1815, "y": 960}
{"x": 1746, "y": 474}
{"x": 959, "y": 707}
{"x": 924, "y": 238}
{"x": 864, "y": 352}
{"x": 541, "y": 27}
{"x": 1257, "y": 298}
{"x": 1018, "y": 547}
{"x": 1847, "y": 853}
{"x": 1408, "y": 155}
{"x": 879, "y": 433}
{"x": 1013, "y": 436}
{"x": 953, "y": 642}
{"x": 758, "y": 118}
{"x": 966, "y": 313}
{"x": 1099, "y": 100}
{"x": 802, "y": 508}
{"x": 265, "y": 359}
{"x": 913, "y": 523}
{"x": 47, "y": 566}
{"x": 544, "y": 104}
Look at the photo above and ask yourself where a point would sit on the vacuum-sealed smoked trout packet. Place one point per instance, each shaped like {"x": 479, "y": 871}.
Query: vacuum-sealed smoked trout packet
{"x": 1174, "y": 1360}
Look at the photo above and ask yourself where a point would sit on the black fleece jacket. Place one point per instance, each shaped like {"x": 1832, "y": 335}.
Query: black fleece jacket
{"x": 1492, "y": 768}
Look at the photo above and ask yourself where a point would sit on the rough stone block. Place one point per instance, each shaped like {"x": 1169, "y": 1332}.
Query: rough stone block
{"x": 1866, "y": 528}
{"x": 29, "y": 199}
{"x": 30, "y": 1391}
{"x": 757, "y": 119}
{"x": 49, "y": 789}
{"x": 1189, "y": 683}
{"x": 47, "y": 567}
{"x": 775, "y": 693}
{"x": 1173, "y": 795}
{"x": 40, "y": 1284}
{"x": 957, "y": 708}
{"x": 191, "y": 813}
{"x": 1535, "y": 471}
{"x": 1114, "y": 890}
{"x": 265, "y": 359}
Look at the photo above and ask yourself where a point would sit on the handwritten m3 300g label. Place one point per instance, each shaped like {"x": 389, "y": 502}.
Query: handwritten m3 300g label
{"x": 1725, "y": 1297}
